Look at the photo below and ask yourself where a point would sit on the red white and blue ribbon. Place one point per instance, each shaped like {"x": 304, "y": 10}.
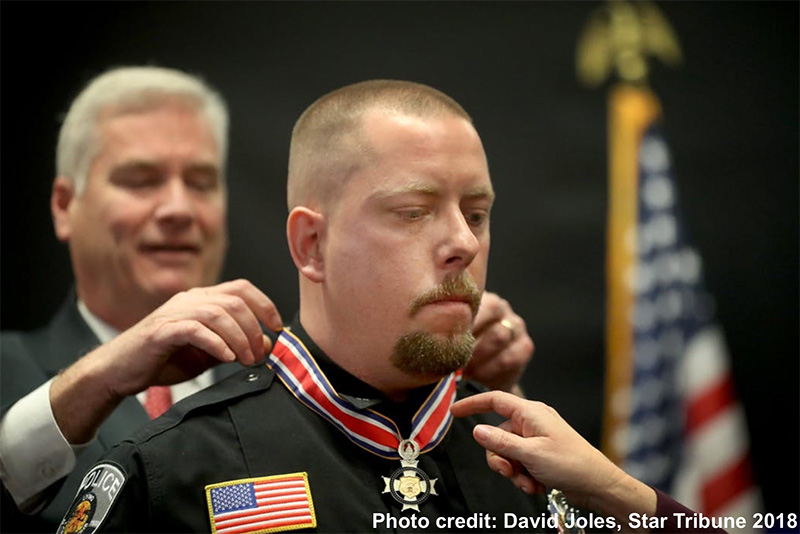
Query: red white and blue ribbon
{"x": 299, "y": 372}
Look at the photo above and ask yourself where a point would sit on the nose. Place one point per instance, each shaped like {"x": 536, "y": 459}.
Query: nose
{"x": 460, "y": 244}
{"x": 175, "y": 207}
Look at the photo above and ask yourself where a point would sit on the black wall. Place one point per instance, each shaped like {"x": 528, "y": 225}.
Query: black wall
{"x": 731, "y": 118}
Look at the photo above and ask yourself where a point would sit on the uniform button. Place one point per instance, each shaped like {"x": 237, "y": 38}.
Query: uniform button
{"x": 252, "y": 377}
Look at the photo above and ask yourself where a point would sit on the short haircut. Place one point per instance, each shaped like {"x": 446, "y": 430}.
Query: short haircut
{"x": 130, "y": 89}
{"x": 328, "y": 143}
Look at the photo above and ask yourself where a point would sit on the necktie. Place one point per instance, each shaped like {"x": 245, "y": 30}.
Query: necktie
{"x": 158, "y": 399}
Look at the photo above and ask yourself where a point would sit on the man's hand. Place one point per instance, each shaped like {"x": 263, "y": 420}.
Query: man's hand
{"x": 192, "y": 331}
{"x": 503, "y": 347}
{"x": 535, "y": 448}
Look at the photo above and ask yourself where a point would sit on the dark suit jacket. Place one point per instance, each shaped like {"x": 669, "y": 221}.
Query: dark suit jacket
{"x": 29, "y": 359}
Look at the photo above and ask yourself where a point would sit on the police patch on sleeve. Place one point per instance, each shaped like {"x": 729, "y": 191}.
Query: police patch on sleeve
{"x": 99, "y": 489}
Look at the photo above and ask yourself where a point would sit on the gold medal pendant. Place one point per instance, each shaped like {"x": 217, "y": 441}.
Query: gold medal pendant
{"x": 409, "y": 485}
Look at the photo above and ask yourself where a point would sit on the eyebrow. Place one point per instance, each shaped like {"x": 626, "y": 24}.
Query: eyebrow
{"x": 477, "y": 193}
{"x": 146, "y": 164}
{"x": 481, "y": 192}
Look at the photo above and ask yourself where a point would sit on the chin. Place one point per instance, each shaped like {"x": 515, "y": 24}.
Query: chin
{"x": 449, "y": 332}
{"x": 165, "y": 287}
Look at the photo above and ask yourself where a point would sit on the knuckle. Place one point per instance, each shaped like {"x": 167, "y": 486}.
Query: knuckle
{"x": 235, "y": 303}
{"x": 241, "y": 284}
{"x": 503, "y": 442}
{"x": 539, "y": 406}
{"x": 212, "y": 312}
{"x": 193, "y": 291}
{"x": 193, "y": 328}
{"x": 512, "y": 361}
{"x": 159, "y": 328}
{"x": 528, "y": 346}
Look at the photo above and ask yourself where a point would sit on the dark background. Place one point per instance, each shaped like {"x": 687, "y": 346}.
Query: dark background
{"x": 731, "y": 119}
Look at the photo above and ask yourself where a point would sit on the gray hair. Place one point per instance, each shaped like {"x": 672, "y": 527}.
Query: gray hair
{"x": 131, "y": 89}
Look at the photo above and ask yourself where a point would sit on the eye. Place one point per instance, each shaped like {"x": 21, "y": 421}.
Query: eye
{"x": 412, "y": 214}
{"x": 477, "y": 218}
{"x": 136, "y": 176}
{"x": 202, "y": 179}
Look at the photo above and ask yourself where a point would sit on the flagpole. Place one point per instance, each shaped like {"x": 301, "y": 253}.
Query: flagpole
{"x": 617, "y": 40}
{"x": 631, "y": 110}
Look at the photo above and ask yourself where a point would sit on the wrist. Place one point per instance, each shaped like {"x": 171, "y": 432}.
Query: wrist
{"x": 81, "y": 398}
{"x": 624, "y": 496}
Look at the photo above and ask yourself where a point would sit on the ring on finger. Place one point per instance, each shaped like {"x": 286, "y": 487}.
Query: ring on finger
{"x": 510, "y": 326}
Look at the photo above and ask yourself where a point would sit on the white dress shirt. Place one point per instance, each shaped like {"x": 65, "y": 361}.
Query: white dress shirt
{"x": 33, "y": 452}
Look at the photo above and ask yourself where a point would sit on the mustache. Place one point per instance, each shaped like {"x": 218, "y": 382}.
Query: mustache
{"x": 453, "y": 287}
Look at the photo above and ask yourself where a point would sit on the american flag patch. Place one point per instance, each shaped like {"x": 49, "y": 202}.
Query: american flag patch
{"x": 265, "y": 504}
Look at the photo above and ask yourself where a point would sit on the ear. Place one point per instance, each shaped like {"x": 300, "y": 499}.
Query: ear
{"x": 61, "y": 199}
{"x": 305, "y": 230}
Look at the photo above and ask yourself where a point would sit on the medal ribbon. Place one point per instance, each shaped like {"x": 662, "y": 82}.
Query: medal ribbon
{"x": 369, "y": 429}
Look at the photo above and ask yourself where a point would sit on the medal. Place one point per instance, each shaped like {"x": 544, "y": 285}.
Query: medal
{"x": 563, "y": 513}
{"x": 409, "y": 485}
{"x": 370, "y": 430}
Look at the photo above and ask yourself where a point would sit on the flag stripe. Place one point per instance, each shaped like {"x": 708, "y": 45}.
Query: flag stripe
{"x": 717, "y": 444}
{"x": 746, "y": 504}
{"x": 279, "y": 505}
{"x": 281, "y": 500}
{"x": 709, "y": 404}
{"x": 727, "y": 485}
{"x": 279, "y": 492}
{"x": 297, "y": 510}
{"x": 299, "y": 522}
{"x": 298, "y": 482}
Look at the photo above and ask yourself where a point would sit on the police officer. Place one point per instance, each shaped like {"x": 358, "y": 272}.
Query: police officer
{"x": 347, "y": 428}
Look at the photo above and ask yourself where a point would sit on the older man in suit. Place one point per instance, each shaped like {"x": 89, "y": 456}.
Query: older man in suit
{"x": 140, "y": 198}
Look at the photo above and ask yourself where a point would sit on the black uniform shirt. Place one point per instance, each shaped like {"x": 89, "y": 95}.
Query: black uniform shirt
{"x": 251, "y": 426}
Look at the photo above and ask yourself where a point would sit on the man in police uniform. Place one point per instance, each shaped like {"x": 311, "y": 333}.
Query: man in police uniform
{"x": 347, "y": 428}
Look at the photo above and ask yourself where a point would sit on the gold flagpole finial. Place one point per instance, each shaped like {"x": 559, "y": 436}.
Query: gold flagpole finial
{"x": 619, "y": 37}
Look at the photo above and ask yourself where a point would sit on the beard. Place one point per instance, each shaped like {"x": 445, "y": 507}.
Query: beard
{"x": 428, "y": 355}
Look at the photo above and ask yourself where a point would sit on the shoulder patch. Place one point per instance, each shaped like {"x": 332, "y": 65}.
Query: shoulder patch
{"x": 99, "y": 489}
{"x": 261, "y": 505}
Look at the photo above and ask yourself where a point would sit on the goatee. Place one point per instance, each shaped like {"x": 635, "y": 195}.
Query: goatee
{"x": 429, "y": 355}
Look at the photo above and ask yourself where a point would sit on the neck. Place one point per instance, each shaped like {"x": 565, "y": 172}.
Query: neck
{"x": 119, "y": 317}
{"x": 362, "y": 358}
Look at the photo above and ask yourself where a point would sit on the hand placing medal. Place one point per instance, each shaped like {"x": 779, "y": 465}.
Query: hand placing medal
{"x": 503, "y": 347}
{"x": 535, "y": 448}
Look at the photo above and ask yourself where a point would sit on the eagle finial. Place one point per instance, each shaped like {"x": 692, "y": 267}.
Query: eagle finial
{"x": 620, "y": 36}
